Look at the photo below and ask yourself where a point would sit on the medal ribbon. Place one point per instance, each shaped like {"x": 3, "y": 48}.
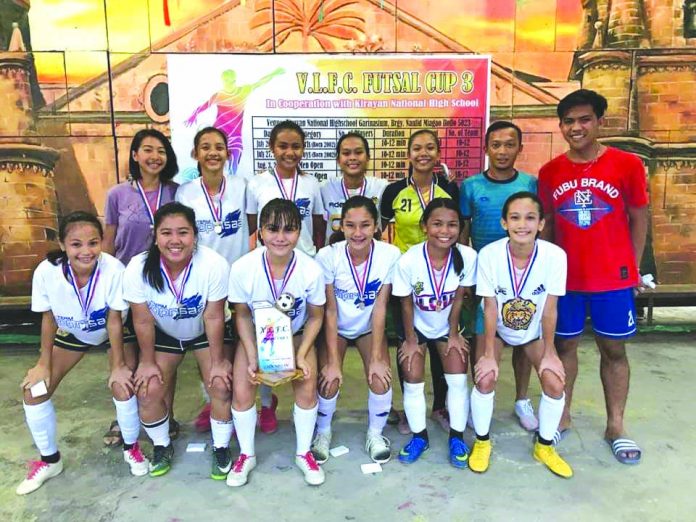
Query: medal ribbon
{"x": 437, "y": 286}
{"x": 293, "y": 190}
{"x": 421, "y": 199}
{"x": 286, "y": 277}
{"x": 91, "y": 287}
{"x": 361, "y": 282}
{"x": 517, "y": 286}
{"x": 361, "y": 191}
{"x": 146, "y": 202}
{"x": 215, "y": 212}
{"x": 178, "y": 294}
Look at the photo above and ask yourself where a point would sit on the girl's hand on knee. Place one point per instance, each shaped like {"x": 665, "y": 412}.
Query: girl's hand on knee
{"x": 144, "y": 373}
{"x": 409, "y": 349}
{"x": 37, "y": 374}
{"x": 379, "y": 370}
{"x": 221, "y": 370}
{"x": 122, "y": 376}
{"x": 484, "y": 366}
{"x": 458, "y": 343}
{"x": 306, "y": 368}
{"x": 252, "y": 370}
{"x": 552, "y": 363}
{"x": 329, "y": 374}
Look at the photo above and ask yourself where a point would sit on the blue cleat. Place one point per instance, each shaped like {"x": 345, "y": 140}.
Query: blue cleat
{"x": 458, "y": 453}
{"x": 413, "y": 450}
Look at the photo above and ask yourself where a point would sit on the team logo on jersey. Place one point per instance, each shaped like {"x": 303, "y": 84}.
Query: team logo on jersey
{"x": 231, "y": 224}
{"x": 428, "y": 303}
{"x": 371, "y": 291}
{"x": 539, "y": 290}
{"x": 95, "y": 322}
{"x": 418, "y": 287}
{"x": 584, "y": 209}
{"x": 296, "y": 306}
{"x": 302, "y": 205}
{"x": 517, "y": 313}
{"x": 189, "y": 307}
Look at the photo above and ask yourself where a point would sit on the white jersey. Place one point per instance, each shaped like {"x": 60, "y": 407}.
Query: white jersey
{"x": 233, "y": 240}
{"x": 354, "y": 310}
{"x": 263, "y": 187}
{"x": 51, "y": 289}
{"x": 412, "y": 277}
{"x": 333, "y": 198}
{"x": 248, "y": 284}
{"x": 519, "y": 317}
{"x": 207, "y": 281}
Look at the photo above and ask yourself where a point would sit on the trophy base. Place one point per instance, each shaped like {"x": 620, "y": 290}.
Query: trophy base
{"x": 277, "y": 378}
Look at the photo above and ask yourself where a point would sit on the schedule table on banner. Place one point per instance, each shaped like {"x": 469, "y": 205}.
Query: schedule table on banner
{"x": 461, "y": 143}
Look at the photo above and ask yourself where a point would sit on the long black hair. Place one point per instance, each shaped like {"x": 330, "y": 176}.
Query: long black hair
{"x": 203, "y": 132}
{"x": 357, "y": 202}
{"x": 449, "y": 204}
{"x": 171, "y": 167}
{"x": 352, "y": 134}
{"x": 59, "y": 256}
{"x": 152, "y": 272}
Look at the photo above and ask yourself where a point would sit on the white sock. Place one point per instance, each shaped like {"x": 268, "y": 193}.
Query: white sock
{"x": 325, "y": 413}
{"x": 414, "y": 405}
{"x": 245, "y": 424}
{"x": 221, "y": 431}
{"x": 304, "y": 427}
{"x": 457, "y": 400}
{"x": 41, "y": 419}
{"x": 482, "y": 411}
{"x": 206, "y": 397}
{"x": 158, "y": 431}
{"x": 378, "y": 407}
{"x": 266, "y": 394}
{"x": 550, "y": 412}
{"x": 128, "y": 419}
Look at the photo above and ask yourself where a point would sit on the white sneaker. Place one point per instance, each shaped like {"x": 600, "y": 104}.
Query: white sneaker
{"x": 320, "y": 446}
{"x": 525, "y": 413}
{"x": 313, "y": 474}
{"x": 378, "y": 447}
{"x": 39, "y": 472}
{"x": 239, "y": 474}
{"x": 139, "y": 465}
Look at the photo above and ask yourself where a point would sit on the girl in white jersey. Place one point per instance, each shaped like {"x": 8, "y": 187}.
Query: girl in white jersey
{"x": 520, "y": 278}
{"x": 352, "y": 157}
{"x": 78, "y": 291}
{"x": 285, "y": 180}
{"x": 272, "y": 273}
{"x": 177, "y": 294}
{"x": 219, "y": 203}
{"x": 357, "y": 273}
{"x": 432, "y": 278}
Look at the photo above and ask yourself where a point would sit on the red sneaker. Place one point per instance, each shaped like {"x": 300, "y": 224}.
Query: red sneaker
{"x": 268, "y": 423}
{"x": 202, "y": 422}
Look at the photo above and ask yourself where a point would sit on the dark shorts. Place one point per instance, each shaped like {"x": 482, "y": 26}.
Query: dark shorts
{"x": 613, "y": 313}
{"x": 422, "y": 339}
{"x": 68, "y": 341}
{"x": 352, "y": 340}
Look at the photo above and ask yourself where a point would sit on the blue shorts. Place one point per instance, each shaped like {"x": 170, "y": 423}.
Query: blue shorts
{"x": 613, "y": 313}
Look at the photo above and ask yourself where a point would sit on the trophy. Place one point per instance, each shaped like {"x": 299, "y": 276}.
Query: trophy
{"x": 274, "y": 346}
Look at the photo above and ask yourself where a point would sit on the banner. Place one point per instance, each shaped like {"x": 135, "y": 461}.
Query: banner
{"x": 384, "y": 97}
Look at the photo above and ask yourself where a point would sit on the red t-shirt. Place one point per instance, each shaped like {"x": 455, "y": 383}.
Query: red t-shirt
{"x": 589, "y": 202}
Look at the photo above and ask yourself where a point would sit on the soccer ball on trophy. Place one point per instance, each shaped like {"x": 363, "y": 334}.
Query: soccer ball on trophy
{"x": 285, "y": 302}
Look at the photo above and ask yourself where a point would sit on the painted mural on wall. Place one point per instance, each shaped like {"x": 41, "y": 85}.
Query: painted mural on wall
{"x": 79, "y": 77}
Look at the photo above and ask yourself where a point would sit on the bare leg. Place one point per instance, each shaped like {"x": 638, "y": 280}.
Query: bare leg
{"x": 568, "y": 353}
{"x": 615, "y": 373}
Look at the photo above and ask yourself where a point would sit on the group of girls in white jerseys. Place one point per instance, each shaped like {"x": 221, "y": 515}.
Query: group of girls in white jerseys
{"x": 196, "y": 262}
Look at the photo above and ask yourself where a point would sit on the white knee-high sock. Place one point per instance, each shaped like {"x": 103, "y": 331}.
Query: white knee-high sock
{"x": 304, "y": 427}
{"x": 482, "y": 411}
{"x": 245, "y": 424}
{"x": 457, "y": 400}
{"x": 414, "y": 405}
{"x": 378, "y": 407}
{"x": 266, "y": 394}
{"x": 128, "y": 419}
{"x": 221, "y": 432}
{"x": 550, "y": 412}
{"x": 158, "y": 431}
{"x": 41, "y": 419}
{"x": 325, "y": 413}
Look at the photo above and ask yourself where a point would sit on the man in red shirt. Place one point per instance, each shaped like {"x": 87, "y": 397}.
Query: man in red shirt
{"x": 596, "y": 209}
